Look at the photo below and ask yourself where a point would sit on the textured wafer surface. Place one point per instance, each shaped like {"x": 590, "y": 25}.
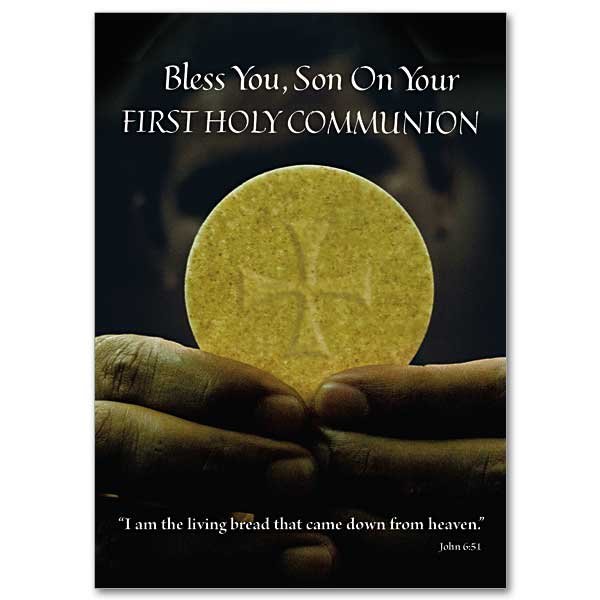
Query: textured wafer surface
{"x": 307, "y": 270}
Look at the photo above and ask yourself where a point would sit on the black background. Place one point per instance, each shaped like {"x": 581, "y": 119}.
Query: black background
{"x": 459, "y": 203}
{"x": 134, "y": 240}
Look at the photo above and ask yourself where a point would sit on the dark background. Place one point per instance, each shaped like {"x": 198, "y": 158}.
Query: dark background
{"x": 153, "y": 191}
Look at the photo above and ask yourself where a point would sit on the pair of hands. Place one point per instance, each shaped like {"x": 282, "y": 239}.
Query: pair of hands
{"x": 183, "y": 432}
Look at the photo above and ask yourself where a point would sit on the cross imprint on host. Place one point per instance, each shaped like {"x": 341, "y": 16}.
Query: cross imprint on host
{"x": 306, "y": 287}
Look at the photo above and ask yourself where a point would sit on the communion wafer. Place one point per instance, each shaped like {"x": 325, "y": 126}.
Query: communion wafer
{"x": 305, "y": 271}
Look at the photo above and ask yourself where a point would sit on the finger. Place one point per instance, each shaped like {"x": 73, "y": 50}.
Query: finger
{"x": 196, "y": 386}
{"x": 385, "y": 472}
{"x": 204, "y": 558}
{"x": 308, "y": 564}
{"x": 436, "y": 401}
{"x": 142, "y": 453}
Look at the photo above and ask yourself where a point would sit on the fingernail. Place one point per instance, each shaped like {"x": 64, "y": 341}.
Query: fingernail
{"x": 335, "y": 402}
{"x": 281, "y": 415}
{"x": 292, "y": 476}
{"x": 307, "y": 563}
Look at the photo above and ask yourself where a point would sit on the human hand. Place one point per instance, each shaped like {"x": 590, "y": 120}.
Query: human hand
{"x": 414, "y": 442}
{"x": 182, "y": 431}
